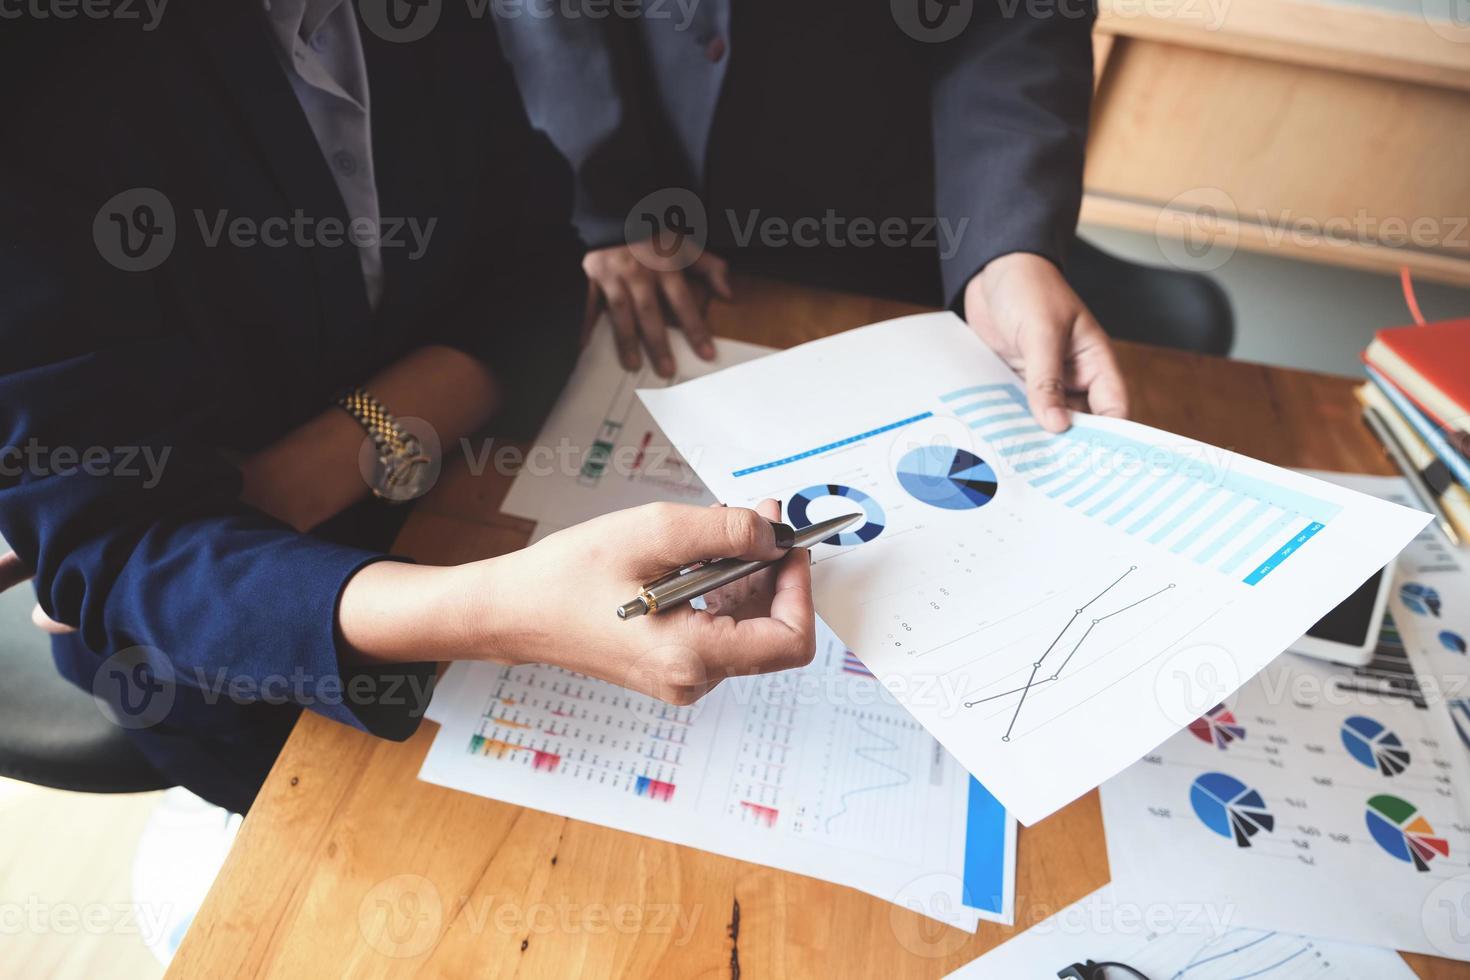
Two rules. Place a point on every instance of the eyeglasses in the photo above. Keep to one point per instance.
(1107, 970)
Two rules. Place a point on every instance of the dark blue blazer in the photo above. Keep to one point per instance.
(225, 614)
(970, 110)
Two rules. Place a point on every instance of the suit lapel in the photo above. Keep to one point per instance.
(239, 43)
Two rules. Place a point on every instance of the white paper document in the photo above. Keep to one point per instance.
(599, 450)
(1430, 603)
(1169, 942)
(817, 771)
(1321, 798)
(1051, 607)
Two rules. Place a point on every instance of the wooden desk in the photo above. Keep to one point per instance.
(349, 866)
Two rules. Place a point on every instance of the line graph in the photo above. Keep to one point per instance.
(868, 754)
(1077, 613)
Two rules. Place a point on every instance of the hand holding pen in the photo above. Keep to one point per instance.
(555, 601)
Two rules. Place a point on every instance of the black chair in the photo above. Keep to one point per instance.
(53, 733)
(1152, 304)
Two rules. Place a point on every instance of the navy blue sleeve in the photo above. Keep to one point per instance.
(1012, 95)
(112, 491)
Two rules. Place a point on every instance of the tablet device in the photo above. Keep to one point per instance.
(1349, 633)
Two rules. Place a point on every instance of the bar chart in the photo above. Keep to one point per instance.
(1183, 501)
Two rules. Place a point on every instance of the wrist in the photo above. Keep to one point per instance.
(491, 606)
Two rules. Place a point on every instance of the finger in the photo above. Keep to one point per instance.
(1107, 392)
(1043, 353)
(782, 639)
(651, 325)
(48, 625)
(671, 535)
(687, 314)
(715, 271)
(625, 327)
(13, 571)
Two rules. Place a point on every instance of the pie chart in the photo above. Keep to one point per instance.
(797, 506)
(1402, 831)
(1229, 807)
(1374, 746)
(1217, 727)
(943, 476)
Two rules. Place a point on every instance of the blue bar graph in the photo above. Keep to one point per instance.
(1202, 511)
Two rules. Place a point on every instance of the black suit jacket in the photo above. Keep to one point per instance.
(796, 107)
(220, 346)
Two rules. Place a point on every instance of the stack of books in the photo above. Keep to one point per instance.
(1417, 401)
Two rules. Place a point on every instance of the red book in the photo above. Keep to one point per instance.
(1430, 364)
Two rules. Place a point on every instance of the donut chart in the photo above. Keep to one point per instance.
(943, 476)
(797, 506)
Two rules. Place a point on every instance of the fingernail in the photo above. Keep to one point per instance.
(1057, 419)
(666, 368)
(785, 535)
(706, 350)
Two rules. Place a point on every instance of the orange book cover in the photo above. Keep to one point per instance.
(1430, 364)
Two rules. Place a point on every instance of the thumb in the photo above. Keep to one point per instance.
(1043, 350)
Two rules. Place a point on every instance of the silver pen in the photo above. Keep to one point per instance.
(1415, 479)
(695, 580)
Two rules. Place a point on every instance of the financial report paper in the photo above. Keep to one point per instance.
(1323, 798)
(818, 771)
(1051, 607)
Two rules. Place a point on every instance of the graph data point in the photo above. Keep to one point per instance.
(1037, 664)
(1005, 738)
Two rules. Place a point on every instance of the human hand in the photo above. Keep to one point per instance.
(644, 292)
(1023, 308)
(555, 602)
